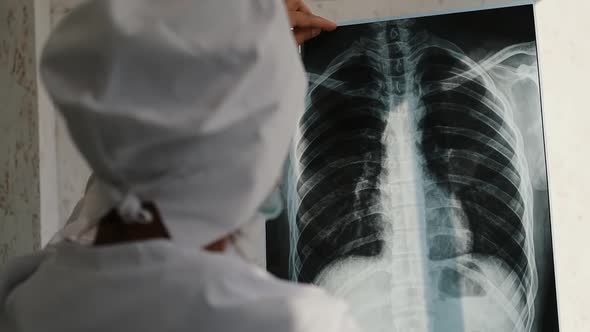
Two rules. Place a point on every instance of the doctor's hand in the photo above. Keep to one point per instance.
(305, 24)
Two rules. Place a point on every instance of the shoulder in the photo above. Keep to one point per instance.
(19, 269)
(255, 300)
(317, 311)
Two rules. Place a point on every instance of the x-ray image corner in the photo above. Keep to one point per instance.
(184, 110)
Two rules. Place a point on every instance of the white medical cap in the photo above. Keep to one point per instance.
(190, 104)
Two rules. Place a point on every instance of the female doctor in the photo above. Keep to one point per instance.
(184, 110)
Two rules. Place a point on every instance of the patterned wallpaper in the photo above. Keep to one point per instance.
(19, 140)
(19, 134)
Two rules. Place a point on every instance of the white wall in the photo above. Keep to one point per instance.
(564, 48)
(563, 28)
(72, 170)
(352, 10)
(49, 212)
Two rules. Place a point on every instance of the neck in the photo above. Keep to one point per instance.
(113, 230)
(218, 246)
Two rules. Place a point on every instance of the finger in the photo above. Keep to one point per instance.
(302, 20)
(304, 8)
(303, 35)
(298, 5)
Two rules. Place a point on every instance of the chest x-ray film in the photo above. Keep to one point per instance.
(417, 185)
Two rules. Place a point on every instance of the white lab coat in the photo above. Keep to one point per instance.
(156, 286)
(190, 105)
